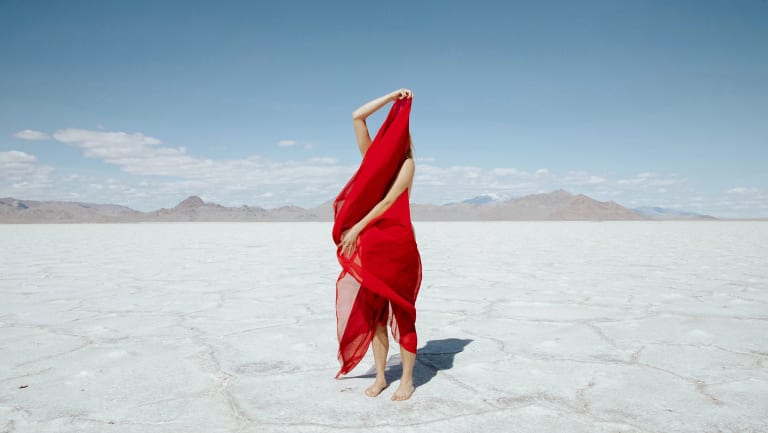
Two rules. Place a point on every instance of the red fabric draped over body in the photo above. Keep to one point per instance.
(379, 282)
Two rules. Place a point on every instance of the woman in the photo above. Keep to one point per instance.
(377, 249)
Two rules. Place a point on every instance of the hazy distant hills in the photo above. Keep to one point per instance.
(662, 213)
(192, 208)
(30, 211)
(558, 205)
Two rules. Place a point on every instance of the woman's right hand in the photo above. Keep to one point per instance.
(401, 94)
(348, 242)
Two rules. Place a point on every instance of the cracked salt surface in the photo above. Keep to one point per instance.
(523, 327)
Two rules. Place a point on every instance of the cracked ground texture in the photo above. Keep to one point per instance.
(523, 327)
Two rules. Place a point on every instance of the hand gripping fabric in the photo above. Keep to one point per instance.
(379, 282)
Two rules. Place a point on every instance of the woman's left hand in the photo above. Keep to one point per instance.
(401, 94)
(349, 241)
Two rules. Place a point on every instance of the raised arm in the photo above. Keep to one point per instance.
(370, 107)
(403, 181)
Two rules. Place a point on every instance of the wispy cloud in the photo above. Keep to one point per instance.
(648, 179)
(286, 143)
(134, 153)
(30, 134)
(741, 190)
(159, 176)
(578, 178)
(292, 181)
(21, 171)
(741, 199)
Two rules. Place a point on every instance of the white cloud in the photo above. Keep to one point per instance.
(647, 179)
(739, 201)
(16, 157)
(323, 160)
(286, 143)
(505, 171)
(434, 184)
(30, 134)
(112, 146)
(741, 190)
(138, 154)
(161, 175)
(577, 178)
(18, 166)
(22, 175)
(751, 202)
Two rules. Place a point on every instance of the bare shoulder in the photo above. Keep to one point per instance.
(408, 167)
(403, 181)
(407, 171)
(408, 164)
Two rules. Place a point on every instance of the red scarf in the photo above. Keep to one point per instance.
(379, 282)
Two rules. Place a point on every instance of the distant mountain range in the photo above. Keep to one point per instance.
(660, 212)
(557, 205)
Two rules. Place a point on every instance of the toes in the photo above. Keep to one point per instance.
(374, 390)
(401, 395)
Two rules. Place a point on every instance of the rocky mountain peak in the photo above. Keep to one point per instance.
(190, 202)
(561, 193)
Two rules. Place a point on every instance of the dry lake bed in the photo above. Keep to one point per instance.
(523, 327)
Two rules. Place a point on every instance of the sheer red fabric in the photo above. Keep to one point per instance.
(379, 282)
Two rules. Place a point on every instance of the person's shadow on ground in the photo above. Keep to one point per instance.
(436, 355)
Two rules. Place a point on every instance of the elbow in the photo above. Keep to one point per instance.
(356, 115)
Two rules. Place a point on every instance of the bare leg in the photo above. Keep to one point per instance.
(406, 388)
(380, 346)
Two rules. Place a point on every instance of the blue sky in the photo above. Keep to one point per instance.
(142, 103)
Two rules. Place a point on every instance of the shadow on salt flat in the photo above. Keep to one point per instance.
(435, 356)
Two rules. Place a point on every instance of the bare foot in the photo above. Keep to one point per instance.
(376, 388)
(404, 391)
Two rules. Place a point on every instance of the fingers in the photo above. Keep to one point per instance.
(347, 248)
(405, 94)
